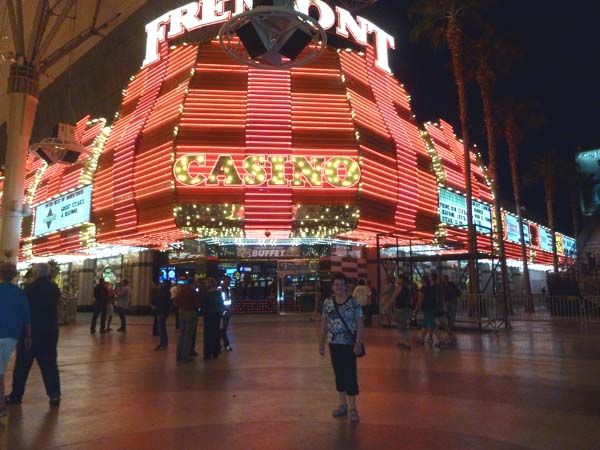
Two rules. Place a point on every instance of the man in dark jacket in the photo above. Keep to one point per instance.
(163, 307)
(43, 296)
(100, 305)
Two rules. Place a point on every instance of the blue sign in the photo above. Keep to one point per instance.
(513, 233)
(453, 211)
(545, 240)
(569, 247)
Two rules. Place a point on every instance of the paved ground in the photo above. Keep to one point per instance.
(535, 388)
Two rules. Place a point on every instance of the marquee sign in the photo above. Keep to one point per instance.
(453, 211)
(63, 212)
(272, 170)
(202, 13)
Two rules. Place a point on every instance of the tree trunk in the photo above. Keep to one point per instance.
(549, 188)
(512, 138)
(574, 200)
(455, 44)
(484, 77)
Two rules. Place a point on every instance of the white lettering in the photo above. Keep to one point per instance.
(347, 25)
(383, 43)
(155, 32)
(186, 18)
(201, 13)
(326, 14)
(213, 11)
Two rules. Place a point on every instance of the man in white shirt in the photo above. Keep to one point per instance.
(362, 294)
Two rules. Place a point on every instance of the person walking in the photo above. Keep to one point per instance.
(187, 302)
(342, 326)
(213, 309)
(226, 316)
(428, 303)
(123, 302)
(100, 304)
(403, 312)
(43, 296)
(110, 306)
(362, 294)
(15, 322)
(387, 301)
(374, 301)
(163, 307)
(451, 294)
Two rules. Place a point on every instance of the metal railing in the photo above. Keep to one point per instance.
(487, 310)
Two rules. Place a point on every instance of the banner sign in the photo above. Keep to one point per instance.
(453, 211)
(63, 212)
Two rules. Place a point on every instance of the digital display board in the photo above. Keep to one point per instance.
(453, 211)
(569, 247)
(63, 212)
(512, 230)
(545, 240)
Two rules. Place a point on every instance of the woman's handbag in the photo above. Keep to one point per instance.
(362, 351)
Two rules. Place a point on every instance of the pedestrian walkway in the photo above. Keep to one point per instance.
(535, 388)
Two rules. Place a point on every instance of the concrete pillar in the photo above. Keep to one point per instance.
(141, 280)
(22, 107)
(87, 282)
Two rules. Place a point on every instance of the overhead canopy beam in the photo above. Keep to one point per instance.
(17, 29)
(55, 27)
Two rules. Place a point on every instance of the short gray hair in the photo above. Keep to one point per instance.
(41, 270)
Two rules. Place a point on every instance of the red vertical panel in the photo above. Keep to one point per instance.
(269, 132)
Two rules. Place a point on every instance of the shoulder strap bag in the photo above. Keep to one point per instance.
(362, 351)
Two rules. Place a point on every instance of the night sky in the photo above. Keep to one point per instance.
(558, 70)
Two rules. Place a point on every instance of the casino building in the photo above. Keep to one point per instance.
(276, 177)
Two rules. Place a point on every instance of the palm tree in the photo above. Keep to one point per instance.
(491, 53)
(514, 115)
(444, 22)
(546, 170)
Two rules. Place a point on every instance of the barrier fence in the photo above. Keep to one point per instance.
(487, 310)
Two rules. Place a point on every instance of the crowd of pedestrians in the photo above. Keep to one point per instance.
(186, 302)
(29, 322)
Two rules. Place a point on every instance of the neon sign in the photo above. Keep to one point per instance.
(273, 170)
(201, 13)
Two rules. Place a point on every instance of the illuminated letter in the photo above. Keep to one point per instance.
(332, 172)
(242, 6)
(182, 166)
(255, 170)
(383, 42)
(303, 168)
(184, 18)
(277, 170)
(326, 14)
(155, 34)
(224, 167)
(347, 25)
(213, 11)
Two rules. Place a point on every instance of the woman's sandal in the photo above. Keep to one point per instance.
(354, 417)
(340, 411)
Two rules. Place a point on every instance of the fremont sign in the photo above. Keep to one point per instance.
(202, 13)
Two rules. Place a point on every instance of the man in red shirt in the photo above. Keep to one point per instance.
(188, 302)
